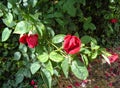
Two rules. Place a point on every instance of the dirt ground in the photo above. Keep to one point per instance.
(101, 75)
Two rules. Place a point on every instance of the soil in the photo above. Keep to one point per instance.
(101, 75)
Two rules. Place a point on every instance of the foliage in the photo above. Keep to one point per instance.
(52, 20)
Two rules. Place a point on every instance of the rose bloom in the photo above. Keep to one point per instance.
(32, 83)
(32, 40)
(114, 20)
(23, 39)
(113, 57)
(71, 44)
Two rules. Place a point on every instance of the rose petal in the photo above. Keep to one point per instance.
(23, 39)
(32, 40)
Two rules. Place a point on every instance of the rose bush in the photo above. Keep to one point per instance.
(42, 39)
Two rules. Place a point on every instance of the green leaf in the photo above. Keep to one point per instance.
(60, 21)
(23, 48)
(92, 26)
(33, 2)
(94, 55)
(79, 70)
(43, 57)
(94, 46)
(9, 5)
(1, 13)
(9, 20)
(50, 31)
(88, 25)
(6, 34)
(85, 51)
(54, 56)
(13, 2)
(41, 28)
(85, 59)
(34, 67)
(24, 71)
(69, 7)
(65, 67)
(19, 78)
(48, 76)
(86, 39)
(58, 38)
(22, 27)
(27, 73)
(17, 55)
(49, 67)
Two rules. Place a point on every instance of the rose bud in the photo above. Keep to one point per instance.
(114, 20)
(32, 83)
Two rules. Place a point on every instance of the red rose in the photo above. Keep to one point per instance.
(113, 57)
(114, 20)
(23, 39)
(71, 44)
(32, 82)
(32, 40)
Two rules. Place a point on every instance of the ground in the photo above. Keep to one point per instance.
(101, 75)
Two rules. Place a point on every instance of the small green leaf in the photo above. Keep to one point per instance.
(33, 2)
(65, 67)
(86, 26)
(48, 77)
(34, 67)
(69, 7)
(94, 55)
(50, 31)
(9, 20)
(9, 5)
(85, 59)
(23, 48)
(58, 38)
(6, 34)
(1, 13)
(19, 78)
(43, 57)
(17, 55)
(86, 39)
(60, 21)
(94, 46)
(41, 28)
(92, 26)
(27, 73)
(22, 27)
(85, 51)
(79, 70)
(49, 67)
(54, 56)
